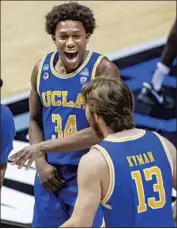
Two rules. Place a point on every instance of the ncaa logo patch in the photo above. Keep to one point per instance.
(46, 75)
(45, 67)
(83, 80)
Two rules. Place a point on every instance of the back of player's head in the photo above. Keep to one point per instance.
(110, 98)
(70, 11)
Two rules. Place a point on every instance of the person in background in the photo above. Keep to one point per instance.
(152, 93)
(7, 135)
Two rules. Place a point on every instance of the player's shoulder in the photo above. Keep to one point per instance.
(93, 160)
(43, 57)
(36, 68)
(107, 67)
(164, 140)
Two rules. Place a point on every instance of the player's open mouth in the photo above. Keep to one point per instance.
(71, 55)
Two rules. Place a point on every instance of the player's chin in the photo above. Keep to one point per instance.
(72, 64)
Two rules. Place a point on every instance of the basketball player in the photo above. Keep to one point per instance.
(153, 93)
(56, 110)
(7, 135)
(131, 171)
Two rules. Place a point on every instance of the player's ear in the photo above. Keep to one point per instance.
(87, 37)
(54, 40)
(96, 117)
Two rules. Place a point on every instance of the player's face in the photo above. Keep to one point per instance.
(71, 40)
(92, 122)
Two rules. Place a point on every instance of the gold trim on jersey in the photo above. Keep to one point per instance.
(70, 74)
(95, 66)
(112, 175)
(106, 206)
(103, 223)
(39, 73)
(134, 137)
(166, 150)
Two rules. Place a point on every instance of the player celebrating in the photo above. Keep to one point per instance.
(56, 110)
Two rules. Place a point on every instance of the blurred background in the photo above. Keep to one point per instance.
(121, 24)
(130, 33)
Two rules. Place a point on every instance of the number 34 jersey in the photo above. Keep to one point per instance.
(62, 102)
(140, 191)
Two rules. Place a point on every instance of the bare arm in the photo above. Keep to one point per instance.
(2, 173)
(172, 151)
(174, 212)
(108, 68)
(35, 124)
(81, 140)
(89, 193)
(85, 138)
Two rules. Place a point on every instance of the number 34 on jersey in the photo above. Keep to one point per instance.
(63, 131)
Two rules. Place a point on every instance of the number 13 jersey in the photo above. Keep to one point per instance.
(140, 190)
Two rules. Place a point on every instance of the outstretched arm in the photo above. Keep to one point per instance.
(81, 140)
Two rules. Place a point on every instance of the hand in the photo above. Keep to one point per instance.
(174, 212)
(49, 177)
(29, 153)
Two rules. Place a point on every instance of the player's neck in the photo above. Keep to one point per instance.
(63, 69)
(106, 131)
(125, 133)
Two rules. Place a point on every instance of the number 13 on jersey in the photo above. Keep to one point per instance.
(63, 131)
(157, 187)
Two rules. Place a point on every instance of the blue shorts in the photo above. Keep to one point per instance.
(52, 209)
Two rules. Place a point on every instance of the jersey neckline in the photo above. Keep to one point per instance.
(124, 139)
(55, 73)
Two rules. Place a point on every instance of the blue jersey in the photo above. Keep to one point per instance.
(7, 133)
(61, 97)
(140, 191)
